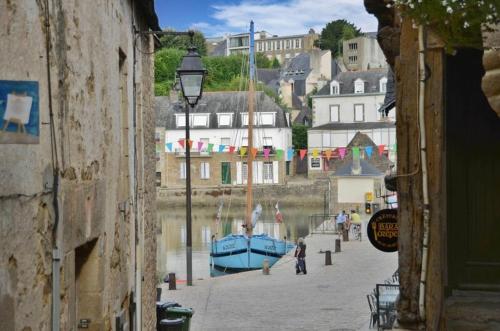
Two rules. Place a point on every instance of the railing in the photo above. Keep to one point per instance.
(323, 224)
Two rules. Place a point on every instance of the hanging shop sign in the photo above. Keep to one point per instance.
(383, 230)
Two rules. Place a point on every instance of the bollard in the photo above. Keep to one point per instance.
(265, 267)
(346, 235)
(337, 245)
(328, 258)
(171, 281)
(158, 294)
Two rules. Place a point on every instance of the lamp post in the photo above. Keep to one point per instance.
(191, 74)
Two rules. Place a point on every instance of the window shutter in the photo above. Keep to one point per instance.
(238, 173)
(275, 172)
(207, 170)
(260, 178)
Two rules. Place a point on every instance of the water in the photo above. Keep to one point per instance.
(171, 240)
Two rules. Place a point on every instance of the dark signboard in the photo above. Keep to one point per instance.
(316, 162)
(383, 230)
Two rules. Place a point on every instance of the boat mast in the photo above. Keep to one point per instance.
(251, 105)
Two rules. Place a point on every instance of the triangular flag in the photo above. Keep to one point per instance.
(181, 142)
(369, 150)
(210, 148)
(254, 151)
(302, 153)
(381, 149)
(221, 148)
(190, 143)
(290, 154)
(243, 151)
(355, 152)
(315, 152)
(342, 152)
(266, 153)
(279, 154)
(169, 146)
(200, 145)
(231, 149)
(328, 154)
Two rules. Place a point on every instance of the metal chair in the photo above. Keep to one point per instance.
(373, 310)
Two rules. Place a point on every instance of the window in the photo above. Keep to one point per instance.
(226, 173)
(158, 178)
(334, 87)
(266, 119)
(359, 86)
(244, 141)
(268, 142)
(225, 141)
(200, 120)
(259, 47)
(268, 173)
(205, 170)
(353, 59)
(180, 120)
(182, 170)
(225, 119)
(297, 43)
(268, 45)
(383, 85)
(359, 113)
(244, 172)
(278, 45)
(334, 113)
(326, 139)
(287, 44)
(353, 46)
(244, 119)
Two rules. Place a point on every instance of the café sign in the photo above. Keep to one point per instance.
(383, 230)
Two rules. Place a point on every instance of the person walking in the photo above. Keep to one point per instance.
(341, 219)
(300, 254)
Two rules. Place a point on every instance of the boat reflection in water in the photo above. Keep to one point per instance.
(171, 242)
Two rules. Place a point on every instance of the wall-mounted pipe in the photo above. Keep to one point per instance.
(423, 160)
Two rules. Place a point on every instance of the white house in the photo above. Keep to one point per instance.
(218, 124)
(349, 104)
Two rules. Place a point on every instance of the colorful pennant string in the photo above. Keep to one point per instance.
(355, 152)
(181, 142)
(368, 151)
(254, 152)
(266, 153)
(315, 153)
(221, 148)
(302, 153)
(328, 154)
(342, 152)
(200, 145)
(381, 149)
(169, 146)
(279, 154)
(243, 151)
(290, 154)
(231, 149)
(210, 148)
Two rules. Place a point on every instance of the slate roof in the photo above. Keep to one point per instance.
(270, 77)
(218, 102)
(346, 81)
(297, 68)
(305, 116)
(366, 169)
(355, 126)
(390, 95)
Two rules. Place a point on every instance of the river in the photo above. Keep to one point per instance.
(171, 239)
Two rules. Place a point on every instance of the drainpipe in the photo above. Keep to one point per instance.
(423, 160)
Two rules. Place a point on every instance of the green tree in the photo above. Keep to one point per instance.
(275, 64)
(334, 33)
(183, 42)
(167, 60)
(299, 136)
(262, 61)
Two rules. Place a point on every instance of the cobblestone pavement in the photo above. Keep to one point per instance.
(329, 298)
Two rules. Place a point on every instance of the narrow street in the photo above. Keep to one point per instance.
(327, 298)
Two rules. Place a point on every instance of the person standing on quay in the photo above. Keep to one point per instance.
(341, 218)
(300, 254)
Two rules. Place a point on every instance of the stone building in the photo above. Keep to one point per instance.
(363, 53)
(220, 120)
(449, 252)
(77, 202)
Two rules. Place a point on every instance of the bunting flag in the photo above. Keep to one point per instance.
(200, 145)
(266, 153)
(328, 154)
(169, 146)
(210, 148)
(279, 154)
(355, 152)
(381, 149)
(395, 147)
(243, 151)
(342, 152)
(254, 151)
(221, 148)
(181, 142)
(369, 150)
(302, 153)
(315, 152)
(231, 149)
(190, 143)
(290, 154)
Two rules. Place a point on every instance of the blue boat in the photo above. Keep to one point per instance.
(237, 252)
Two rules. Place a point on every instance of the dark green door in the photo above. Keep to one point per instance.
(226, 173)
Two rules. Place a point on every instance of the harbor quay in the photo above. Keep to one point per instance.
(328, 297)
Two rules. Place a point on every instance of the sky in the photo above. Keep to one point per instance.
(279, 17)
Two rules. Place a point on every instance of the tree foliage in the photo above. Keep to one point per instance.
(299, 136)
(334, 33)
(184, 42)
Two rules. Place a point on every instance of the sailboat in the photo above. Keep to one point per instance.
(241, 252)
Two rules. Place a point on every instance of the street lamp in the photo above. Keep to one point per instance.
(191, 74)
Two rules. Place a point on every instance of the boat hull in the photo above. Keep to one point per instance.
(240, 253)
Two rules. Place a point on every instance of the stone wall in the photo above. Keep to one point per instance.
(105, 179)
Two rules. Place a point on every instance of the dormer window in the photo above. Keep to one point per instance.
(359, 86)
(383, 85)
(334, 87)
(180, 120)
(225, 120)
(200, 120)
(260, 118)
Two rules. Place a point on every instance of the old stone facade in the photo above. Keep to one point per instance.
(76, 207)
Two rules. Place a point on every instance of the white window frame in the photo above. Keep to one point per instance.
(383, 85)
(180, 120)
(225, 141)
(359, 86)
(269, 117)
(267, 173)
(335, 110)
(182, 170)
(358, 107)
(204, 170)
(267, 141)
(224, 115)
(200, 120)
(334, 87)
